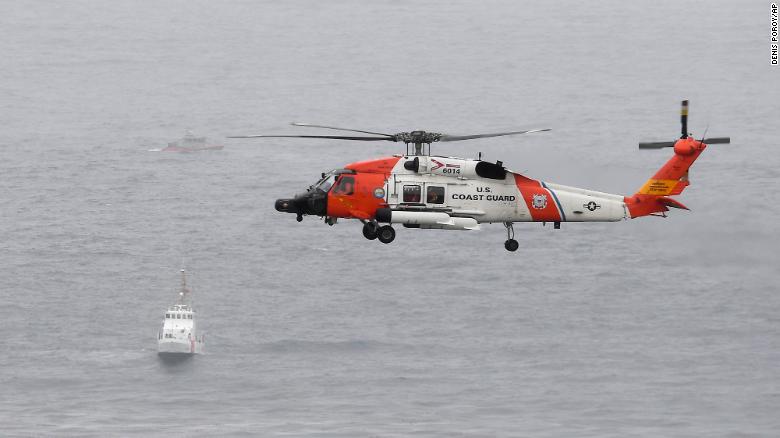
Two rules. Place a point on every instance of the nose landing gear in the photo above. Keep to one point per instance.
(510, 244)
(370, 230)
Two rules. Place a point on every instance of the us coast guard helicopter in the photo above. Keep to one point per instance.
(420, 190)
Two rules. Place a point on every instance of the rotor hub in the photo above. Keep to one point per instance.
(418, 137)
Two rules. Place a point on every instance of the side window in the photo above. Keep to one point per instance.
(435, 195)
(412, 194)
(345, 186)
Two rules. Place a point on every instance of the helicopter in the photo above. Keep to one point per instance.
(420, 190)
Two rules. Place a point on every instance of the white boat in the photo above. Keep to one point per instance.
(179, 336)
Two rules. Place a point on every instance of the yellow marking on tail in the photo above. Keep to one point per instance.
(658, 187)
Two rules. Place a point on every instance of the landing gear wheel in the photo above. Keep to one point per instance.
(386, 234)
(370, 231)
(510, 244)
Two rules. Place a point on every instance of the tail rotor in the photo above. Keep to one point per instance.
(684, 133)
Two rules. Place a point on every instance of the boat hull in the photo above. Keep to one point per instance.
(179, 348)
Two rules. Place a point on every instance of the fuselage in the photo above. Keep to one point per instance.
(461, 188)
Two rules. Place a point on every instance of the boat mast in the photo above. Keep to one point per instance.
(184, 289)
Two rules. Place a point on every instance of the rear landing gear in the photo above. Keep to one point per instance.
(510, 244)
(386, 234)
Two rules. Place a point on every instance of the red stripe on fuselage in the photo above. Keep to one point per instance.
(544, 208)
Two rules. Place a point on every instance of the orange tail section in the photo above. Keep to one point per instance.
(670, 180)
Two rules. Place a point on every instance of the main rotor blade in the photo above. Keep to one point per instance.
(717, 140)
(446, 137)
(309, 125)
(333, 137)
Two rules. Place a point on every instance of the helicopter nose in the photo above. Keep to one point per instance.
(286, 206)
(311, 203)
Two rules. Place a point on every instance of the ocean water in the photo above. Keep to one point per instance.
(646, 328)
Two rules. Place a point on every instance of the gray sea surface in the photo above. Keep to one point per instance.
(645, 328)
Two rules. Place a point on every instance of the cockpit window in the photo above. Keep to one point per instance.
(345, 186)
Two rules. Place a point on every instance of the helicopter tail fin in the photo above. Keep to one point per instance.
(672, 178)
(669, 180)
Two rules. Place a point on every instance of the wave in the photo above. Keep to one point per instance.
(302, 346)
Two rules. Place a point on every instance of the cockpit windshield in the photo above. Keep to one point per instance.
(327, 180)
